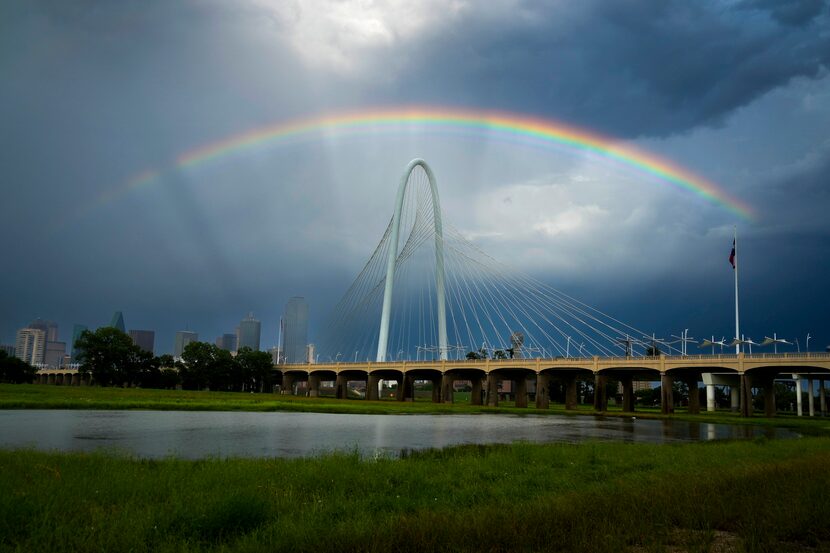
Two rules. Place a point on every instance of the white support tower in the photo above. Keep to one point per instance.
(383, 336)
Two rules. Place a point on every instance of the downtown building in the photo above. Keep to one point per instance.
(226, 341)
(145, 339)
(30, 345)
(77, 330)
(183, 337)
(250, 330)
(296, 331)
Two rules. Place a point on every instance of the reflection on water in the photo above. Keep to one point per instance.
(195, 435)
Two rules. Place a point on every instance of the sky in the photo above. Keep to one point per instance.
(96, 94)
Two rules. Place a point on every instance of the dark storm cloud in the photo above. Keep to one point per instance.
(790, 12)
(628, 68)
(95, 92)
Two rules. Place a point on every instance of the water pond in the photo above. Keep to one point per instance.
(195, 435)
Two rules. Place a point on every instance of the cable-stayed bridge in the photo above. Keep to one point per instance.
(427, 292)
(430, 305)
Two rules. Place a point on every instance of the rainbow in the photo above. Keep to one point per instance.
(508, 125)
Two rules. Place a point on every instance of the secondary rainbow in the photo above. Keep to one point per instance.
(509, 125)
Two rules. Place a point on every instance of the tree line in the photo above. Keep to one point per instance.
(112, 359)
(14, 370)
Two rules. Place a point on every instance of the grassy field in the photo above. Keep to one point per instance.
(31, 396)
(729, 496)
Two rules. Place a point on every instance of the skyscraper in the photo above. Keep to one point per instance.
(226, 341)
(118, 321)
(76, 333)
(145, 339)
(296, 330)
(249, 333)
(55, 352)
(30, 345)
(183, 337)
(49, 327)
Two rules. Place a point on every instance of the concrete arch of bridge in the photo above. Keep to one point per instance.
(763, 378)
(462, 366)
(768, 370)
(517, 376)
(560, 382)
(475, 376)
(434, 375)
(626, 377)
(553, 370)
(711, 376)
(289, 379)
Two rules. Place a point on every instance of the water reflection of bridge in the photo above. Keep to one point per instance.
(741, 373)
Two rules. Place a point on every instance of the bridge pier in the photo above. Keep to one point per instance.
(406, 388)
(341, 387)
(735, 398)
(798, 395)
(811, 404)
(694, 395)
(287, 388)
(570, 392)
(475, 395)
(666, 394)
(437, 389)
(600, 393)
(447, 388)
(627, 382)
(492, 390)
(372, 385)
(746, 395)
(520, 385)
(75, 380)
(769, 396)
(542, 391)
(313, 385)
(822, 397)
(710, 397)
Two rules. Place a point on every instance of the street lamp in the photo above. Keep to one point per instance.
(355, 356)
(775, 340)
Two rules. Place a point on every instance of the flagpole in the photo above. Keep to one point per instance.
(279, 343)
(737, 319)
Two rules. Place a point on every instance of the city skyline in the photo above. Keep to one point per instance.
(186, 214)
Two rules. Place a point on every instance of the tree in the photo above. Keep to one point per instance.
(652, 351)
(15, 370)
(474, 355)
(111, 356)
(254, 369)
(207, 366)
(499, 354)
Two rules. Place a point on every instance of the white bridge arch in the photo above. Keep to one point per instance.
(392, 256)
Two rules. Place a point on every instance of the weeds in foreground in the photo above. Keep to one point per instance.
(753, 496)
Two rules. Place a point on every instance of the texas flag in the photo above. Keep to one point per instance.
(732, 255)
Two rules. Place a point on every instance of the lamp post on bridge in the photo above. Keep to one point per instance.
(684, 339)
(775, 340)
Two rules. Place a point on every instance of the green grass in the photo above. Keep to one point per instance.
(32, 396)
(755, 495)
